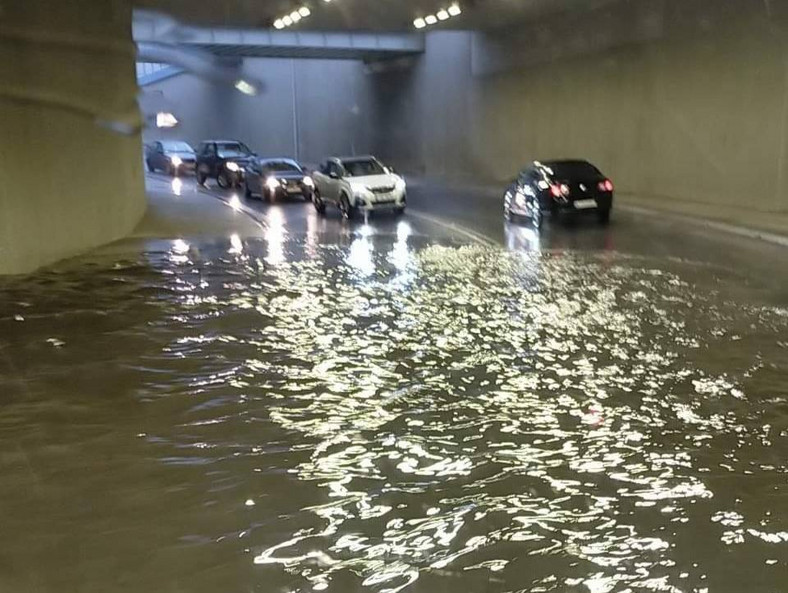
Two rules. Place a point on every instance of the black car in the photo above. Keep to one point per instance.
(566, 186)
(273, 179)
(170, 156)
(224, 160)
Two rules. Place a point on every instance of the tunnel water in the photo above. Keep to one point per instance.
(391, 414)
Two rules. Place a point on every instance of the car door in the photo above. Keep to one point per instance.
(322, 180)
(334, 180)
(158, 156)
(254, 175)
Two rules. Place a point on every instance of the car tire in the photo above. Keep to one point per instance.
(247, 191)
(318, 203)
(201, 178)
(345, 208)
(223, 180)
(603, 216)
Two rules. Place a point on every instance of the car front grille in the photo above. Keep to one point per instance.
(382, 190)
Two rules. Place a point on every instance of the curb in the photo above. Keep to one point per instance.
(733, 229)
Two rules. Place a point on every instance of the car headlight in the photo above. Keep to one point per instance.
(271, 183)
(400, 184)
(233, 167)
(176, 160)
(309, 182)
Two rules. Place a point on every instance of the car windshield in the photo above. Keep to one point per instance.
(176, 146)
(573, 169)
(232, 149)
(281, 166)
(362, 168)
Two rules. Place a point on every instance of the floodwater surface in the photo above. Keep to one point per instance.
(390, 414)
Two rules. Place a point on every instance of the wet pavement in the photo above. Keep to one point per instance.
(436, 402)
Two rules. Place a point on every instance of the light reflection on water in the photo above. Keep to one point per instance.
(386, 417)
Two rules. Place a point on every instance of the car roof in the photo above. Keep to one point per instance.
(221, 142)
(562, 162)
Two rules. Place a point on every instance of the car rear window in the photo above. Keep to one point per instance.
(177, 146)
(573, 169)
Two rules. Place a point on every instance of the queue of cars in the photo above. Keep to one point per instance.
(363, 184)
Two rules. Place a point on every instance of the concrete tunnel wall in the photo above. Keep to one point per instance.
(693, 108)
(310, 109)
(67, 182)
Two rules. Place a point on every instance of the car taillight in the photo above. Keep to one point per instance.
(556, 191)
(606, 185)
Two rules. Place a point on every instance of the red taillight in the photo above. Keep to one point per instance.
(556, 191)
(606, 185)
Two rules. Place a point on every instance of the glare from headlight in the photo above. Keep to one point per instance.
(309, 182)
(272, 183)
(176, 160)
(233, 167)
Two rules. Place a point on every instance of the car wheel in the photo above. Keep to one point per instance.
(603, 216)
(223, 180)
(345, 208)
(201, 177)
(318, 202)
(247, 191)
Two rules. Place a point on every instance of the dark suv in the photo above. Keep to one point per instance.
(223, 159)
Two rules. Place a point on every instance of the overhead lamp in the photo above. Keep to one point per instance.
(164, 119)
(287, 20)
(442, 15)
(430, 19)
(296, 16)
(419, 23)
(279, 24)
(304, 11)
(455, 9)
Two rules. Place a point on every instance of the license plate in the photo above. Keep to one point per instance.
(585, 204)
(293, 190)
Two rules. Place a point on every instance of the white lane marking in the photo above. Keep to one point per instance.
(460, 230)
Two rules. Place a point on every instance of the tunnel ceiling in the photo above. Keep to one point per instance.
(380, 15)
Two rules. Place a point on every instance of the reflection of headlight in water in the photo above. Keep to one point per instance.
(233, 167)
(275, 236)
(177, 186)
(360, 256)
(176, 160)
(235, 203)
(236, 245)
(521, 238)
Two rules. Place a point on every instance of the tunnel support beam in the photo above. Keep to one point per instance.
(71, 176)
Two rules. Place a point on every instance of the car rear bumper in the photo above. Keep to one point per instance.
(589, 203)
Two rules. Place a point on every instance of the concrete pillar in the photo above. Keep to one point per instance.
(70, 151)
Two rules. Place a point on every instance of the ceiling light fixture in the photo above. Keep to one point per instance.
(444, 14)
(291, 19)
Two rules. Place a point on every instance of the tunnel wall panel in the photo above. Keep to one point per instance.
(70, 147)
(309, 108)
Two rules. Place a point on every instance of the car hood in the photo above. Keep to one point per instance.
(386, 180)
(186, 156)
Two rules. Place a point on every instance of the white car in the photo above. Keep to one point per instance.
(359, 183)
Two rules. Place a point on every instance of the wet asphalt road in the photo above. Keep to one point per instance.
(434, 403)
(440, 211)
